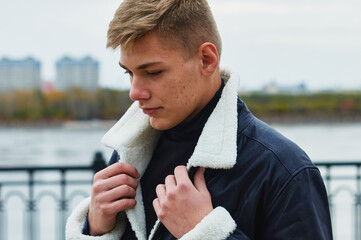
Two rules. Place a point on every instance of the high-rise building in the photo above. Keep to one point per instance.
(18, 75)
(77, 73)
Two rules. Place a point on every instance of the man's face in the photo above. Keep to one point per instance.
(168, 88)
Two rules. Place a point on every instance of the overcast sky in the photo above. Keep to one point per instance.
(317, 42)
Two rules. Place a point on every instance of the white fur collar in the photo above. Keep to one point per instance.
(134, 140)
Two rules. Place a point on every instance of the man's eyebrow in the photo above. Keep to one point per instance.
(143, 66)
(122, 66)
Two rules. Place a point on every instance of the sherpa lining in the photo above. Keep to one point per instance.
(217, 225)
(75, 224)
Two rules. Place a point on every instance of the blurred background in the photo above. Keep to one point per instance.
(299, 69)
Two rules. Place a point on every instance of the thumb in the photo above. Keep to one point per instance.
(199, 181)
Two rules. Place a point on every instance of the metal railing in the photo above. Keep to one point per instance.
(341, 177)
(335, 182)
(31, 198)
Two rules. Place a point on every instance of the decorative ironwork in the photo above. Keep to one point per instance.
(31, 198)
(341, 181)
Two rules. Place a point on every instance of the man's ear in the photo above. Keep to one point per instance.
(209, 57)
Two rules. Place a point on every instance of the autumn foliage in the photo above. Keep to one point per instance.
(74, 104)
(344, 106)
(77, 104)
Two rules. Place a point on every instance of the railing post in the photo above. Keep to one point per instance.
(63, 204)
(328, 186)
(31, 206)
(2, 220)
(358, 205)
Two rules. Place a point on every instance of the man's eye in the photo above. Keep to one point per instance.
(128, 72)
(153, 73)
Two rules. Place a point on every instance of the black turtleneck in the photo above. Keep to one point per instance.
(174, 148)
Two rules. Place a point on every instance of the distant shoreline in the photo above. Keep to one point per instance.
(107, 124)
(71, 124)
(311, 120)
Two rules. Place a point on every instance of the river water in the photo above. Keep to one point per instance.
(76, 144)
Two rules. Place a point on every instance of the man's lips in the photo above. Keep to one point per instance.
(150, 111)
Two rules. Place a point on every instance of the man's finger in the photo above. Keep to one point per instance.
(181, 176)
(156, 206)
(161, 192)
(118, 168)
(170, 183)
(199, 181)
(121, 179)
(120, 192)
(122, 204)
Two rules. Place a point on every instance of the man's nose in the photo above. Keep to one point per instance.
(139, 90)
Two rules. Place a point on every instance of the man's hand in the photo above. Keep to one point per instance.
(180, 205)
(113, 191)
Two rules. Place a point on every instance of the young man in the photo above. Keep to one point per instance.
(190, 160)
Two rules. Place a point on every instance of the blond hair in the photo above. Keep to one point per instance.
(184, 23)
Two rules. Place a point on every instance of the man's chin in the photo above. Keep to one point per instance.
(158, 124)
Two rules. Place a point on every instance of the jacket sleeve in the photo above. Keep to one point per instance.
(299, 211)
(217, 225)
(75, 224)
